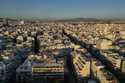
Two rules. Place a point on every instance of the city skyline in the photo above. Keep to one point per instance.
(63, 9)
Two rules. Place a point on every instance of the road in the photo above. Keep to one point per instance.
(97, 54)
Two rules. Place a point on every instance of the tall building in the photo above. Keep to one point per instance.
(36, 44)
(40, 69)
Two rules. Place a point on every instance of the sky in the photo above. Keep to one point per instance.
(63, 9)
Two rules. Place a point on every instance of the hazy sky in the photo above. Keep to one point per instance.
(53, 9)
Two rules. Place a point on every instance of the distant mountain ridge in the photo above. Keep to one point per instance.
(71, 20)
